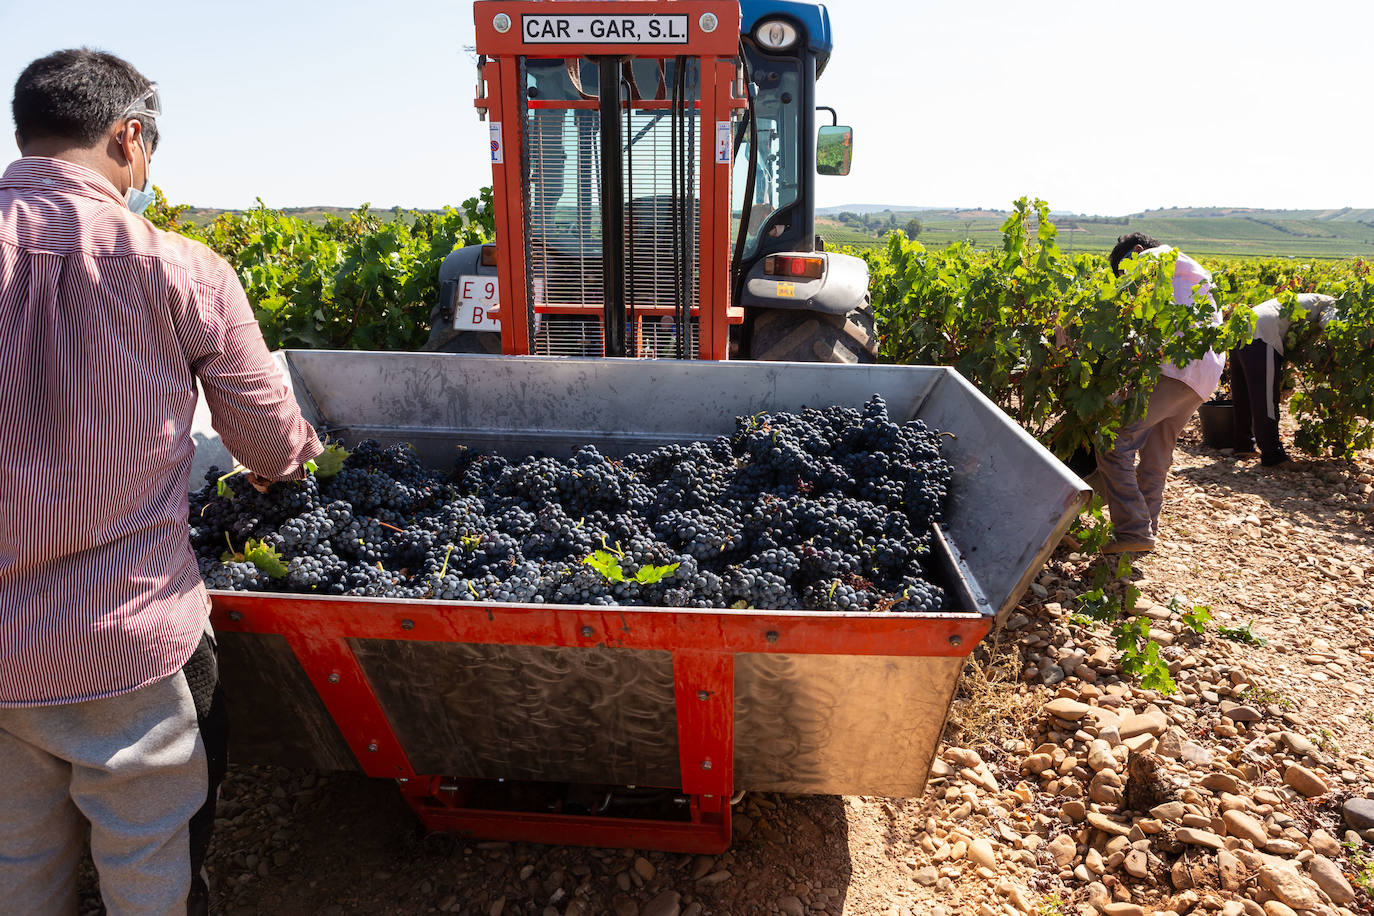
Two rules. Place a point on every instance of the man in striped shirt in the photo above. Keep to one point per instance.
(109, 705)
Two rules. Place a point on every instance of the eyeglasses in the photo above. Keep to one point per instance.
(149, 103)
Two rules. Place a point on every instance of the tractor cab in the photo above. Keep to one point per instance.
(785, 49)
(653, 186)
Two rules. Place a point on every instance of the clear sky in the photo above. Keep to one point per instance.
(1098, 107)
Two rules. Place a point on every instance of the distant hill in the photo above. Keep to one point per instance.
(1344, 213)
(869, 208)
(1215, 231)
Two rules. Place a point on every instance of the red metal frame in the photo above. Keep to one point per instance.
(703, 645)
(499, 98)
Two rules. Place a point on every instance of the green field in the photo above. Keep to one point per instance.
(1201, 232)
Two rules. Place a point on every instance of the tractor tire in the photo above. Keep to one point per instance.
(793, 335)
(467, 342)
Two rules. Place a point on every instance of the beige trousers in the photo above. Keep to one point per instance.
(1135, 491)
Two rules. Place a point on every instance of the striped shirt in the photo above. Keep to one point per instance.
(105, 325)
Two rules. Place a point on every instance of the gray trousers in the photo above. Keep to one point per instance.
(141, 769)
(1135, 492)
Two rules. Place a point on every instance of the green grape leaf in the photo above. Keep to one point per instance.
(648, 575)
(331, 460)
(1243, 634)
(606, 563)
(1158, 678)
(265, 558)
(1099, 606)
(222, 485)
(1198, 618)
(261, 555)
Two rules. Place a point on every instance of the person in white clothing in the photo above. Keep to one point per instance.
(1256, 371)
(1133, 472)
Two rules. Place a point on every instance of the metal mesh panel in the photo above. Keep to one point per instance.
(564, 215)
(562, 153)
(658, 337)
(649, 211)
(566, 335)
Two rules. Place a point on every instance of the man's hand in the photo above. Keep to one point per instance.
(260, 483)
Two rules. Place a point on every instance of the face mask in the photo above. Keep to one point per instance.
(138, 200)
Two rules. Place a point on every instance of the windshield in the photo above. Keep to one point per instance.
(777, 108)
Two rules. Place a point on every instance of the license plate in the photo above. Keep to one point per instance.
(652, 29)
(474, 303)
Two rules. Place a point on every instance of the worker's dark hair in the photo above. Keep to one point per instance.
(1125, 246)
(76, 95)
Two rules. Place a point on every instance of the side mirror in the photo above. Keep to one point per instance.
(834, 150)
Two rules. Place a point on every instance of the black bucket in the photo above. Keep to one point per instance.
(1218, 424)
(1083, 461)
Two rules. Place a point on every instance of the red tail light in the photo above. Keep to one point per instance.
(784, 265)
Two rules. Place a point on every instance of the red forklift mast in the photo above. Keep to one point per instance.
(634, 238)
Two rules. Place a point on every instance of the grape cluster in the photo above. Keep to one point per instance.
(822, 509)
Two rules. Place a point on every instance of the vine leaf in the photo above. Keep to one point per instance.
(648, 575)
(222, 485)
(263, 556)
(330, 462)
(606, 563)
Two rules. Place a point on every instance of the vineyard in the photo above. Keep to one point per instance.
(362, 283)
(1071, 351)
(1052, 337)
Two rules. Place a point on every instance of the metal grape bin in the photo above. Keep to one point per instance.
(625, 726)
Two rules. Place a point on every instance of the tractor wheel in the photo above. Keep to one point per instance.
(468, 342)
(794, 335)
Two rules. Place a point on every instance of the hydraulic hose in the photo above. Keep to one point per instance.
(746, 209)
(679, 242)
(690, 208)
(633, 340)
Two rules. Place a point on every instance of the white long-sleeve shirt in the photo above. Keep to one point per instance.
(1201, 375)
(1270, 325)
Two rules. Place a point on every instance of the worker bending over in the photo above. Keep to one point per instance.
(1135, 492)
(1257, 372)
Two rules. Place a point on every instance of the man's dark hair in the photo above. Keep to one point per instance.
(1125, 247)
(76, 95)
